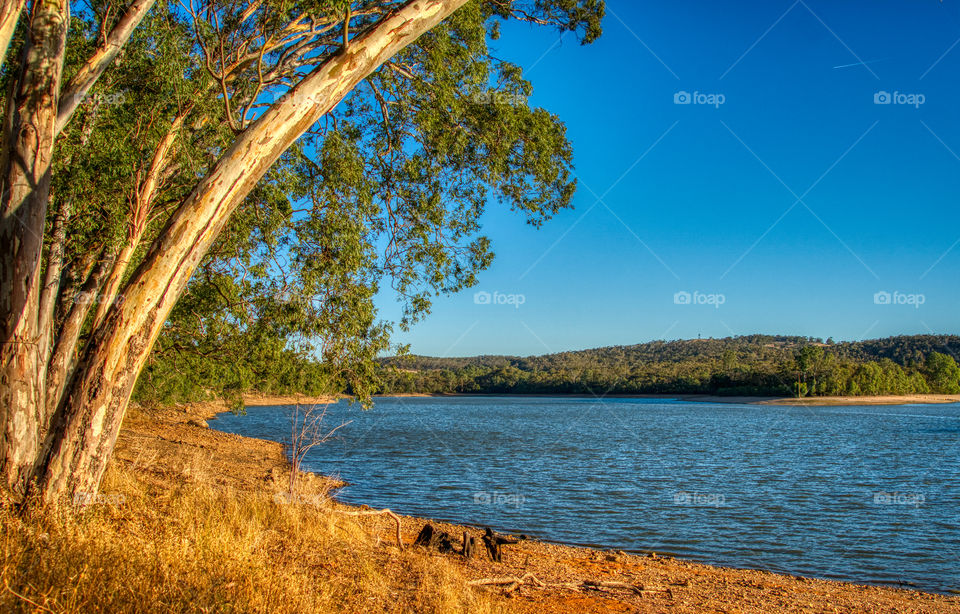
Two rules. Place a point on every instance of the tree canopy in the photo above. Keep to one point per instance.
(215, 191)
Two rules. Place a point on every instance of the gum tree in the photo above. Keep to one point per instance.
(194, 171)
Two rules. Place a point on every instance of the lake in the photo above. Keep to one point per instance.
(866, 494)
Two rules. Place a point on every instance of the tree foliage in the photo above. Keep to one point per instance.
(385, 193)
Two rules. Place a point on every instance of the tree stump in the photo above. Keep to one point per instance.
(426, 537)
(469, 546)
(495, 543)
(429, 537)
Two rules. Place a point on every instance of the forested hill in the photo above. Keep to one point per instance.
(753, 364)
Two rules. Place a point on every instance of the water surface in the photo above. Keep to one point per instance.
(867, 494)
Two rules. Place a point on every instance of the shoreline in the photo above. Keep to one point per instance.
(687, 583)
(260, 400)
(906, 399)
(263, 400)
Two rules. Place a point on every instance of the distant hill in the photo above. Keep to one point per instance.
(751, 364)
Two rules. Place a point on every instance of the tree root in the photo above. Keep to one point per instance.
(512, 583)
(384, 512)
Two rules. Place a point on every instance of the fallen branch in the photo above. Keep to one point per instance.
(624, 585)
(512, 583)
(377, 513)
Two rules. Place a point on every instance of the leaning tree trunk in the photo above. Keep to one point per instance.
(88, 421)
(28, 142)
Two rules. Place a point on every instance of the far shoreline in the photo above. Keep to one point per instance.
(263, 400)
(905, 399)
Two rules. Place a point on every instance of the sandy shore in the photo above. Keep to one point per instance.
(256, 399)
(251, 465)
(904, 399)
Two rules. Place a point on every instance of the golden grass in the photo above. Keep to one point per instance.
(194, 547)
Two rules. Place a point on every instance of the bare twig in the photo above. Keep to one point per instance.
(306, 430)
(22, 598)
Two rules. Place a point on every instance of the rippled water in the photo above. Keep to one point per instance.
(868, 494)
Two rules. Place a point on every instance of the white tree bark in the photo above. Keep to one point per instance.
(26, 187)
(9, 15)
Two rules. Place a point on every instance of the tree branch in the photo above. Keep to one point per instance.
(9, 16)
(78, 87)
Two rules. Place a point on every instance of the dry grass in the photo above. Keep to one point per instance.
(193, 547)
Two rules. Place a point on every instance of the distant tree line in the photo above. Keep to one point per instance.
(748, 365)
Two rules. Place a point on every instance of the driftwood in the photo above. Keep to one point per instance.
(509, 582)
(385, 512)
(512, 583)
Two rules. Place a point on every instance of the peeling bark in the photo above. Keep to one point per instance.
(51, 280)
(63, 358)
(26, 189)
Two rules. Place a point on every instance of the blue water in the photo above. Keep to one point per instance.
(866, 494)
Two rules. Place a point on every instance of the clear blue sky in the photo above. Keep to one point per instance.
(793, 202)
